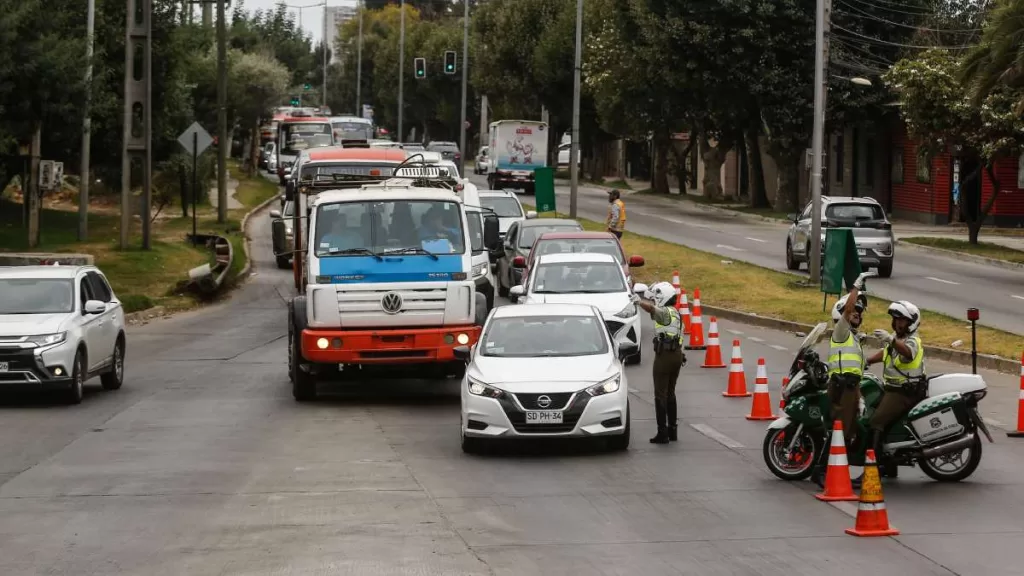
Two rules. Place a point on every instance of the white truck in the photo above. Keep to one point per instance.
(387, 280)
(517, 148)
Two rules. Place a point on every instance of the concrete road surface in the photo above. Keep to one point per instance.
(932, 282)
(204, 465)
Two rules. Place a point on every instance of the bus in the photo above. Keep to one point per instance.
(295, 134)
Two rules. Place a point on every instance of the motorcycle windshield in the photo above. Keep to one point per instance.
(809, 342)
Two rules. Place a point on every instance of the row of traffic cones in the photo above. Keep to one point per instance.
(693, 323)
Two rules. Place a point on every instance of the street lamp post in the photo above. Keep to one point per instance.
(83, 186)
(359, 64)
(323, 101)
(574, 150)
(817, 141)
(465, 75)
(401, 74)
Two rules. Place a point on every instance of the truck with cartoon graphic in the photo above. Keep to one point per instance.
(517, 147)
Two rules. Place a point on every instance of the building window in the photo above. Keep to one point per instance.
(839, 154)
(897, 167)
(924, 166)
(869, 163)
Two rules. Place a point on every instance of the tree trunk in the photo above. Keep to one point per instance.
(758, 193)
(713, 158)
(974, 225)
(660, 180)
(33, 195)
(681, 157)
(787, 193)
(254, 151)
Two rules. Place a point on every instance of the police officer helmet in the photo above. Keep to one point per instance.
(837, 310)
(904, 309)
(661, 293)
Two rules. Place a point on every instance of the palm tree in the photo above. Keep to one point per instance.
(998, 60)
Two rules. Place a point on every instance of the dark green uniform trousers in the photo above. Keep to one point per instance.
(666, 373)
(894, 404)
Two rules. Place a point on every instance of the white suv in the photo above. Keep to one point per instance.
(59, 327)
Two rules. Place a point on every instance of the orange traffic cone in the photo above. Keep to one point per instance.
(785, 382)
(761, 409)
(872, 518)
(696, 325)
(737, 378)
(675, 284)
(684, 311)
(1020, 405)
(838, 485)
(713, 357)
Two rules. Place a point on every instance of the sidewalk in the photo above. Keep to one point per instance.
(233, 203)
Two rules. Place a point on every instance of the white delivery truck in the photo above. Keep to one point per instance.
(517, 147)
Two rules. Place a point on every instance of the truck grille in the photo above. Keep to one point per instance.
(354, 302)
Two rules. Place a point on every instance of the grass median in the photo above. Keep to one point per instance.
(985, 249)
(749, 288)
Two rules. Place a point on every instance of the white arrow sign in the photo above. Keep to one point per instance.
(195, 136)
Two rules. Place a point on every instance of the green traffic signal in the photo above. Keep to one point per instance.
(307, 86)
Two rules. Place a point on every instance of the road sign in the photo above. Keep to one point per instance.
(195, 135)
(544, 189)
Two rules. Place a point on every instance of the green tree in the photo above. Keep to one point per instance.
(998, 61)
(257, 83)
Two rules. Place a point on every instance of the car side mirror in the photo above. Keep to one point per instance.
(95, 307)
(516, 292)
(640, 288)
(636, 261)
(793, 217)
(275, 214)
(462, 353)
(627, 350)
(492, 232)
(531, 215)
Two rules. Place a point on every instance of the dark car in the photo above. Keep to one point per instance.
(448, 150)
(519, 240)
(592, 242)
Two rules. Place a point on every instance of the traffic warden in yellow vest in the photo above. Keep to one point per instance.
(659, 301)
(616, 222)
(903, 370)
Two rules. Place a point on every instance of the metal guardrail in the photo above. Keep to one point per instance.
(208, 279)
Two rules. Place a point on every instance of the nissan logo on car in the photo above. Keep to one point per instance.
(543, 401)
(391, 303)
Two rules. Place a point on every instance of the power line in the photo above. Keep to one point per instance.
(889, 6)
(898, 44)
(863, 14)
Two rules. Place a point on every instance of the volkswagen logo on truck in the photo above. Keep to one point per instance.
(391, 303)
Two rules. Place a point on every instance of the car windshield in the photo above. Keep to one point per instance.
(381, 228)
(352, 131)
(579, 278)
(503, 206)
(544, 336)
(853, 212)
(476, 231)
(530, 233)
(580, 246)
(299, 137)
(36, 296)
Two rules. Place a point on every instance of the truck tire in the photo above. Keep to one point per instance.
(303, 383)
(481, 309)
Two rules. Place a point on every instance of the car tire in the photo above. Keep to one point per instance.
(283, 262)
(472, 445)
(620, 443)
(75, 394)
(113, 379)
(791, 262)
(885, 269)
(481, 310)
(303, 383)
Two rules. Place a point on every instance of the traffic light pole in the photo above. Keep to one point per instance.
(401, 74)
(465, 74)
(359, 64)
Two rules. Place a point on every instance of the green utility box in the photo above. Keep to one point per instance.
(544, 189)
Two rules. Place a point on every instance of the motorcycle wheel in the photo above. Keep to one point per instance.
(953, 467)
(792, 467)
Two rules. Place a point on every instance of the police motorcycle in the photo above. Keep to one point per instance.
(940, 434)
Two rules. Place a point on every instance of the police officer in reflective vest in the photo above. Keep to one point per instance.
(616, 222)
(903, 370)
(659, 301)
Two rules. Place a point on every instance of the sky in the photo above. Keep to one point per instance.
(312, 18)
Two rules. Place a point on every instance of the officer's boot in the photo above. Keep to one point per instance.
(660, 415)
(673, 428)
(820, 460)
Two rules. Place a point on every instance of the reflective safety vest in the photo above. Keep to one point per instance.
(620, 224)
(673, 329)
(896, 371)
(845, 357)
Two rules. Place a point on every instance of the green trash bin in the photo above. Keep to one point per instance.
(544, 189)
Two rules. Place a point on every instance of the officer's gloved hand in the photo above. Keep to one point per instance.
(634, 298)
(859, 282)
(884, 336)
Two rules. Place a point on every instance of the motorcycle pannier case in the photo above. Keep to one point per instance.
(938, 417)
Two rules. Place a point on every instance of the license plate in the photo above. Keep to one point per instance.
(862, 252)
(4, 366)
(543, 417)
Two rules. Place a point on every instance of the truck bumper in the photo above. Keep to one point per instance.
(399, 346)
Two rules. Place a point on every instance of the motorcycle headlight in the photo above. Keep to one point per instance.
(607, 387)
(628, 312)
(48, 339)
(479, 270)
(480, 389)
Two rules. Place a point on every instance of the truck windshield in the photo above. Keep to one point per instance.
(389, 227)
(296, 137)
(352, 130)
(476, 231)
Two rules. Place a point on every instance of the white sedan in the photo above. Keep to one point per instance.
(545, 370)
(586, 278)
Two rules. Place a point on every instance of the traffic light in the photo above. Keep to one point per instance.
(449, 62)
(307, 86)
(295, 101)
(421, 68)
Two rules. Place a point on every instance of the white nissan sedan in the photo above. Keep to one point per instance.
(544, 370)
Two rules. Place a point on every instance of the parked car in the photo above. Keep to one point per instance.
(564, 150)
(266, 152)
(448, 150)
(482, 160)
(544, 370)
(581, 278)
(872, 232)
(282, 233)
(519, 241)
(60, 326)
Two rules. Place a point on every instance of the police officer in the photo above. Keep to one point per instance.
(669, 358)
(616, 222)
(903, 370)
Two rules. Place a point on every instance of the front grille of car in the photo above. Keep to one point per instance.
(21, 366)
(558, 400)
(570, 416)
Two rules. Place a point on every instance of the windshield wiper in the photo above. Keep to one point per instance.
(411, 250)
(350, 251)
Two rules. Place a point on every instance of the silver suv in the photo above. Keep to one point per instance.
(872, 231)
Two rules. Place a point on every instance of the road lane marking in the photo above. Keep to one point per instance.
(777, 347)
(736, 332)
(1017, 297)
(941, 280)
(727, 247)
(756, 339)
(757, 240)
(716, 436)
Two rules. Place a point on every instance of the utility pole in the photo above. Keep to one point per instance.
(222, 113)
(822, 21)
(323, 101)
(138, 103)
(465, 75)
(208, 14)
(359, 64)
(401, 75)
(32, 192)
(484, 128)
(574, 150)
(83, 185)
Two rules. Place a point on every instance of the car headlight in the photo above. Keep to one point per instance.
(607, 387)
(481, 389)
(628, 312)
(48, 339)
(479, 270)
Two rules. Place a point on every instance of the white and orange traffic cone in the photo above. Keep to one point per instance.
(737, 378)
(872, 517)
(761, 408)
(696, 325)
(1019, 432)
(713, 357)
(782, 401)
(838, 485)
(684, 310)
(675, 284)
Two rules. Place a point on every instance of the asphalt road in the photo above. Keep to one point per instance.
(930, 281)
(203, 464)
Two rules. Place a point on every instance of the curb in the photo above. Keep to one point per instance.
(953, 254)
(244, 274)
(143, 315)
(961, 357)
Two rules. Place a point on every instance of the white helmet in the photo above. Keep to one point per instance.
(660, 293)
(904, 309)
(837, 310)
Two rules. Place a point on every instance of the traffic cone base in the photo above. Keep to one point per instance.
(737, 387)
(872, 516)
(761, 409)
(838, 486)
(713, 358)
(1019, 432)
